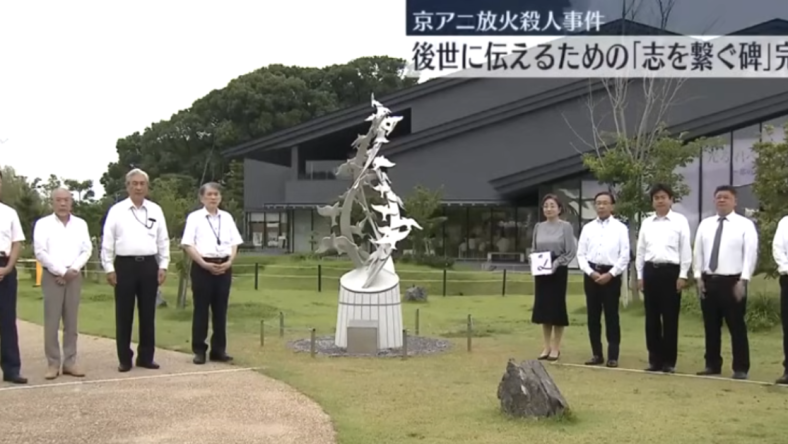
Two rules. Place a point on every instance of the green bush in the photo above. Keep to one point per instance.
(763, 309)
(427, 260)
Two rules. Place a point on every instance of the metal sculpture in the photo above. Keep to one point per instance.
(386, 225)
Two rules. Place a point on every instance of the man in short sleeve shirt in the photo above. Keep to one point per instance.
(211, 239)
(11, 238)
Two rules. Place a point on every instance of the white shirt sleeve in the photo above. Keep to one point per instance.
(623, 251)
(750, 250)
(163, 243)
(189, 237)
(685, 252)
(86, 247)
(640, 249)
(236, 238)
(582, 251)
(41, 251)
(17, 235)
(697, 265)
(779, 247)
(108, 242)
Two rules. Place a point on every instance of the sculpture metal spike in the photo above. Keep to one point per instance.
(365, 170)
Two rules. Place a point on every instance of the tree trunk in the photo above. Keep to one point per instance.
(633, 275)
(183, 281)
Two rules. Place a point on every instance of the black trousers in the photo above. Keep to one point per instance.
(138, 281)
(9, 340)
(719, 304)
(662, 303)
(603, 299)
(211, 293)
(784, 317)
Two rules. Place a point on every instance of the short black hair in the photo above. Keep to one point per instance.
(661, 188)
(728, 188)
(605, 193)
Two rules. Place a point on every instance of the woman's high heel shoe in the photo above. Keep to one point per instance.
(554, 358)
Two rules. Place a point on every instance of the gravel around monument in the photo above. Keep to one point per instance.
(417, 345)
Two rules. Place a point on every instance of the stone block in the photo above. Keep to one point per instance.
(362, 337)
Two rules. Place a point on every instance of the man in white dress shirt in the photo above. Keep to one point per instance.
(663, 259)
(603, 255)
(135, 253)
(62, 245)
(11, 238)
(211, 239)
(726, 251)
(780, 253)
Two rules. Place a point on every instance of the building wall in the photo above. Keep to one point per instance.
(264, 183)
(464, 164)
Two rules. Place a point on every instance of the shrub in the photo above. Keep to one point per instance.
(763, 309)
(426, 260)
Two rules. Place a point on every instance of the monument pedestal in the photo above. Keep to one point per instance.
(380, 302)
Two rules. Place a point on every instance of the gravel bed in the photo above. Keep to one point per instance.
(417, 345)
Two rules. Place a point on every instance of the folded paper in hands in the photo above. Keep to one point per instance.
(541, 264)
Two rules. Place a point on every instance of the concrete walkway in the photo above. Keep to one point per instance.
(179, 404)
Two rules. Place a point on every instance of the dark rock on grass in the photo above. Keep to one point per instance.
(527, 391)
(416, 294)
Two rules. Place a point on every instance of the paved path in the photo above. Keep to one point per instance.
(179, 404)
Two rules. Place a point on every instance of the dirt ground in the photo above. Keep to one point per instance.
(181, 403)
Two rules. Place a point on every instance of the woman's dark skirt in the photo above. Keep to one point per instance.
(550, 298)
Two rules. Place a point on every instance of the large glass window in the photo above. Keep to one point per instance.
(456, 232)
(527, 217)
(689, 205)
(743, 155)
(479, 232)
(589, 190)
(715, 171)
(569, 193)
(504, 225)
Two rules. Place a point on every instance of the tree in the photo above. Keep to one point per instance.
(264, 101)
(771, 189)
(423, 205)
(24, 197)
(168, 193)
(630, 147)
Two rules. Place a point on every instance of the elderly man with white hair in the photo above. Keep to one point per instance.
(62, 245)
(135, 254)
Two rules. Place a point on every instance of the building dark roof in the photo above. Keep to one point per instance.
(342, 118)
(400, 100)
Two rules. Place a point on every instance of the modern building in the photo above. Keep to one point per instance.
(495, 147)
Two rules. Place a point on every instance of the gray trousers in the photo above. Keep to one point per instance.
(61, 302)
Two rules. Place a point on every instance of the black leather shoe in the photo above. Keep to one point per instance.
(739, 375)
(653, 368)
(15, 379)
(782, 380)
(543, 357)
(612, 363)
(596, 360)
(709, 372)
(669, 369)
(221, 358)
(552, 358)
(199, 358)
(123, 368)
(149, 365)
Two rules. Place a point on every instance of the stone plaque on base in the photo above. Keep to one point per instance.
(362, 337)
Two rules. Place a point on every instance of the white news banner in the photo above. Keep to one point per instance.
(541, 264)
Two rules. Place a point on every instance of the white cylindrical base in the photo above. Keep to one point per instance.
(381, 303)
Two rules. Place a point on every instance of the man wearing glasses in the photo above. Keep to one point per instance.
(135, 253)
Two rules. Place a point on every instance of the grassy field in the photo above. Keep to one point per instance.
(451, 398)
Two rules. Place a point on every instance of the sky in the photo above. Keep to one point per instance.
(77, 75)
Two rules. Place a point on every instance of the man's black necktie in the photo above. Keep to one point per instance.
(715, 248)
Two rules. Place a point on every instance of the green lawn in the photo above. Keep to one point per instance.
(451, 398)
